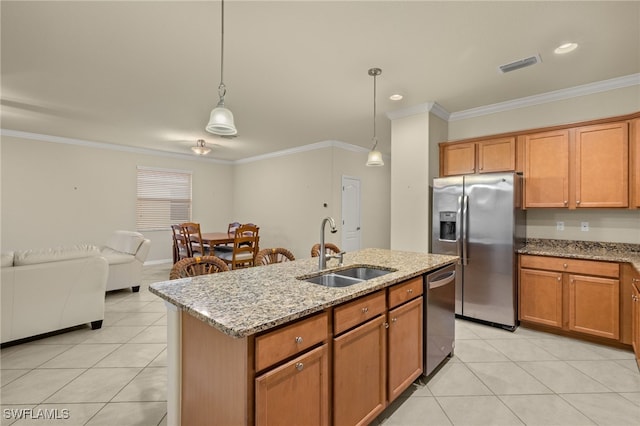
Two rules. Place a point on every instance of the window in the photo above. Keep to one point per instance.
(164, 198)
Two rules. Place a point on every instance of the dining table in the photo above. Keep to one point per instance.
(217, 238)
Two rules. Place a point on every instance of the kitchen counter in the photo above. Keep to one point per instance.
(591, 250)
(244, 302)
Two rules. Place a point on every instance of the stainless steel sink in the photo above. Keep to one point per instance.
(347, 277)
(363, 272)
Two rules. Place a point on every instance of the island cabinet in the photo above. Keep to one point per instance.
(579, 296)
(635, 318)
(484, 156)
(578, 167)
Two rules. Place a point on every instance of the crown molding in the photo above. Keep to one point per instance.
(557, 95)
(108, 146)
(432, 107)
(304, 148)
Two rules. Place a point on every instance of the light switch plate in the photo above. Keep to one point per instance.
(559, 226)
(584, 226)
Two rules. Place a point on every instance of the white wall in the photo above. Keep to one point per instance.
(611, 225)
(285, 196)
(410, 201)
(59, 194)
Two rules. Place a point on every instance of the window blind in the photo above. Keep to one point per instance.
(164, 198)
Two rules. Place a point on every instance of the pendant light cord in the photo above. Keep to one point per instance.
(375, 140)
(222, 90)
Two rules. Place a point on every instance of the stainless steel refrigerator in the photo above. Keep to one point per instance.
(479, 218)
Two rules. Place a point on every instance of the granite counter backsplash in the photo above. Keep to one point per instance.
(593, 250)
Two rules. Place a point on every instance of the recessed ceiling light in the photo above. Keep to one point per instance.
(395, 97)
(565, 48)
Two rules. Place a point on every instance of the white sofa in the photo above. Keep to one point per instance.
(51, 289)
(126, 252)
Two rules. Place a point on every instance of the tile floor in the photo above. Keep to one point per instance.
(116, 376)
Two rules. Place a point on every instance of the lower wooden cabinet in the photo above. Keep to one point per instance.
(296, 392)
(359, 373)
(405, 342)
(635, 318)
(582, 296)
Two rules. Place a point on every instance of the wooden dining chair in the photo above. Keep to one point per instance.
(194, 266)
(329, 248)
(245, 248)
(273, 255)
(193, 235)
(181, 248)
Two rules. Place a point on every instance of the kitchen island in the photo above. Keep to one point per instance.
(223, 329)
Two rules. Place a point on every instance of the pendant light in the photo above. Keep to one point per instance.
(221, 119)
(375, 157)
(200, 148)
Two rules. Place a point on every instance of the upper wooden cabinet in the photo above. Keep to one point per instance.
(580, 167)
(486, 156)
(634, 163)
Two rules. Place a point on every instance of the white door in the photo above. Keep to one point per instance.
(350, 214)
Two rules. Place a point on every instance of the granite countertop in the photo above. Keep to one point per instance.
(244, 302)
(611, 252)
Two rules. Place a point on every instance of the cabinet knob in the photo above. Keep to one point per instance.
(559, 279)
(410, 291)
(298, 339)
(577, 201)
(564, 265)
(299, 366)
(365, 310)
(566, 202)
(394, 319)
(386, 325)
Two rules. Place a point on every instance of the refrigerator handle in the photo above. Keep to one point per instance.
(465, 230)
(459, 228)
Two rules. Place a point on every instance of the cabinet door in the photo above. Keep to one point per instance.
(296, 392)
(359, 373)
(546, 182)
(594, 305)
(458, 159)
(541, 297)
(497, 155)
(634, 162)
(405, 346)
(602, 166)
(635, 319)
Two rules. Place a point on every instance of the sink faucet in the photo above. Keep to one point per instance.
(322, 262)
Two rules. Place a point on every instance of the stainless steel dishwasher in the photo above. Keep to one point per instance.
(439, 316)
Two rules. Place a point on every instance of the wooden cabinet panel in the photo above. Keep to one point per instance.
(594, 306)
(602, 165)
(635, 319)
(497, 155)
(360, 310)
(405, 346)
(634, 163)
(284, 342)
(296, 392)
(458, 159)
(540, 295)
(561, 264)
(546, 173)
(359, 373)
(408, 290)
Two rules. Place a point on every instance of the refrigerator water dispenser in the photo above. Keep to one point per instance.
(447, 226)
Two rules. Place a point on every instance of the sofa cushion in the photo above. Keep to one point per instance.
(7, 259)
(116, 257)
(125, 241)
(56, 254)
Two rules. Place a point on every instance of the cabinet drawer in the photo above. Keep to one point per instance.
(398, 294)
(287, 341)
(585, 267)
(360, 310)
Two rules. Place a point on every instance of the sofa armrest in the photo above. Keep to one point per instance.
(143, 250)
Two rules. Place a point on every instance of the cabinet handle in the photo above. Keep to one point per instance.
(394, 319)
(365, 310)
(386, 325)
(299, 366)
(634, 280)
(410, 291)
(298, 339)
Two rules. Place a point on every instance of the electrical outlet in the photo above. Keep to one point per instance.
(559, 226)
(584, 226)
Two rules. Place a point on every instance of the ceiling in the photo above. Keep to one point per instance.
(146, 74)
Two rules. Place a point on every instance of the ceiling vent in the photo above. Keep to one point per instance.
(522, 63)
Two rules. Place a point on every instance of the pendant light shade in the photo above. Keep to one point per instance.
(375, 157)
(221, 119)
(200, 148)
